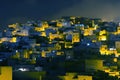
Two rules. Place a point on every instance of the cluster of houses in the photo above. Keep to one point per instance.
(32, 42)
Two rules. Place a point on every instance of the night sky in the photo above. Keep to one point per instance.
(12, 11)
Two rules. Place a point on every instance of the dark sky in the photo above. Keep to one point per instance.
(12, 11)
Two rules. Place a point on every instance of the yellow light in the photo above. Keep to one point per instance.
(102, 38)
(43, 54)
(45, 25)
(39, 29)
(14, 39)
(84, 77)
(6, 73)
(102, 32)
(115, 59)
(12, 26)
